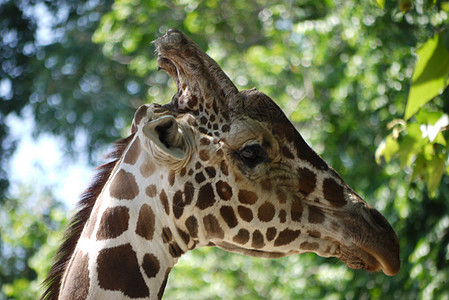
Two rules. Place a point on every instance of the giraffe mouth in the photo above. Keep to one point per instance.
(377, 249)
(358, 258)
(197, 76)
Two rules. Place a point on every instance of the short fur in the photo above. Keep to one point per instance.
(76, 224)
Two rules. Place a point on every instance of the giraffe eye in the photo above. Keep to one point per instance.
(252, 155)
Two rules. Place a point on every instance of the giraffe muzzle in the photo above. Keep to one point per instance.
(376, 244)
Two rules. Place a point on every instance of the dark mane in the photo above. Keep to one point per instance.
(79, 219)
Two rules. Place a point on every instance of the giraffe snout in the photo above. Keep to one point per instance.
(379, 240)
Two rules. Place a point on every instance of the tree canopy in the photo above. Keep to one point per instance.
(364, 82)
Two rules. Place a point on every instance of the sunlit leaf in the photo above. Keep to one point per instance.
(439, 139)
(380, 3)
(434, 127)
(430, 75)
(387, 149)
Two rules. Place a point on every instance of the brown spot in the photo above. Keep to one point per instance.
(281, 196)
(266, 212)
(198, 165)
(307, 181)
(133, 152)
(212, 227)
(140, 113)
(225, 128)
(304, 152)
(286, 152)
(314, 233)
(210, 172)
(184, 236)
(258, 241)
(166, 235)
(204, 155)
(164, 283)
(178, 205)
(223, 190)
(242, 237)
(193, 101)
(118, 270)
(206, 197)
(204, 141)
(224, 168)
(145, 223)
(147, 168)
(309, 246)
(247, 197)
(282, 216)
(199, 177)
(214, 104)
(175, 250)
(89, 229)
(316, 215)
(114, 222)
(296, 210)
(77, 282)
(151, 190)
(227, 213)
(271, 233)
(286, 237)
(171, 178)
(333, 192)
(266, 185)
(203, 120)
(192, 226)
(190, 172)
(183, 172)
(124, 186)
(164, 200)
(245, 213)
(150, 265)
(189, 191)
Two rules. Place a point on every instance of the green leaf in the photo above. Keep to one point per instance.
(430, 74)
(387, 149)
(428, 117)
(419, 168)
(435, 171)
(381, 3)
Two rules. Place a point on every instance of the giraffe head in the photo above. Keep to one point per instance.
(245, 179)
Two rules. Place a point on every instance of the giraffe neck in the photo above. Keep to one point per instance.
(129, 245)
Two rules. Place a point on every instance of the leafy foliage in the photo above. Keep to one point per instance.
(420, 143)
(30, 231)
(430, 75)
(341, 70)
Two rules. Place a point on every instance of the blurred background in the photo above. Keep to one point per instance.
(347, 73)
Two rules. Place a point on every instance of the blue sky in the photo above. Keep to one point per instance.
(41, 163)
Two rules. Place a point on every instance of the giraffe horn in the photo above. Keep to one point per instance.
(199, 79)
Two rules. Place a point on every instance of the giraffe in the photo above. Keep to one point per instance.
(214, 167)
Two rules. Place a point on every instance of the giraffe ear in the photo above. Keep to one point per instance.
(166, 134)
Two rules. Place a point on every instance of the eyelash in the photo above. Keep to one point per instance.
(252, 155)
